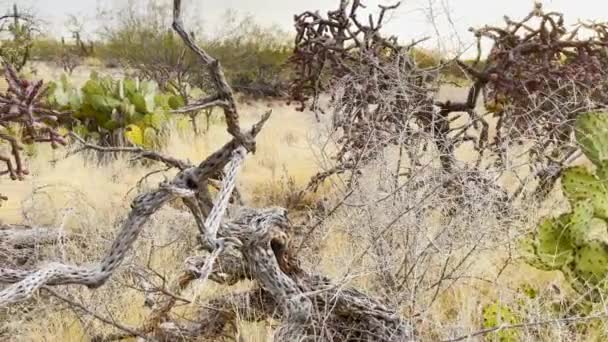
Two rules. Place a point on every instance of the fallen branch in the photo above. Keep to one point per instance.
(184, 185)
(140, 153)
(20, 236)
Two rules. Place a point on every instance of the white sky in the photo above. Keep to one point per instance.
(409, 22)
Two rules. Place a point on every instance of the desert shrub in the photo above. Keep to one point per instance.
(152, 52)
(534, 85)
(378, 94)
(64, 54)
(46, 49)
(426, 58)
(70, 57)
(455, 71)
(116, 112)
(20, 28)
(253, 56)
(73, 47)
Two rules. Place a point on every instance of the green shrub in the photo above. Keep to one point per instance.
(253, 57)
(432, 59)
(46, 49)
(496, 315)
(426, 58)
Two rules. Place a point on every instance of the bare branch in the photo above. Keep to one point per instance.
(140, 152)
(225, 95)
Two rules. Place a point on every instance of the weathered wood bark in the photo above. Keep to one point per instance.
(254, 245)
(307, 305)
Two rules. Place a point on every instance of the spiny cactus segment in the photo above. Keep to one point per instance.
(576, 242)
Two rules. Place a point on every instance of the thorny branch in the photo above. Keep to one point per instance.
(22, 107)
(539, 75)
(140, 153)
(224, 97)
(376, 89)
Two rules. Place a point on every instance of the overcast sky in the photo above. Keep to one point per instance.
(409, 22)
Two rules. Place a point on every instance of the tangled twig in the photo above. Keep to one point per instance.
(22, 107)
(377, 90)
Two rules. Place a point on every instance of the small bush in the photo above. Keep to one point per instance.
(253, 56)
(46, 49)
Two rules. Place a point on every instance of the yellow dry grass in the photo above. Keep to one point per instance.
(82, 196)
(75, 192)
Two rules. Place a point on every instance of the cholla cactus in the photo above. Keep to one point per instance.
(23, 110)
(576, 242)
(20, 27)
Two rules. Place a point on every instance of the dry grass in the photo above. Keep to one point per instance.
(81, 196)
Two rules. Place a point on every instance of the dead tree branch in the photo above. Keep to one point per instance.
(224, 97)
(377, 91)
(252, 244)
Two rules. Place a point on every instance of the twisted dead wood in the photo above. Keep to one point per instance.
(224, 97)
(323, 310)
(308, 306)
(26, 282)
(19, 236)
(183, 185)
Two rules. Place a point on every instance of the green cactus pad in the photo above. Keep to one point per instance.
(176, 102)
(106, 105)
(602, 171)
(576, 243)
(592, 135)
(135, 135)
(495, 315)
(579, 184)
(580, 222)
(156, 120)
(553, 247)
(92, 87)
(591, 262)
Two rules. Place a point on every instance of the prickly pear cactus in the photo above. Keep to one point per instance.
(576, 242)
(116, 110)
(495, 315)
